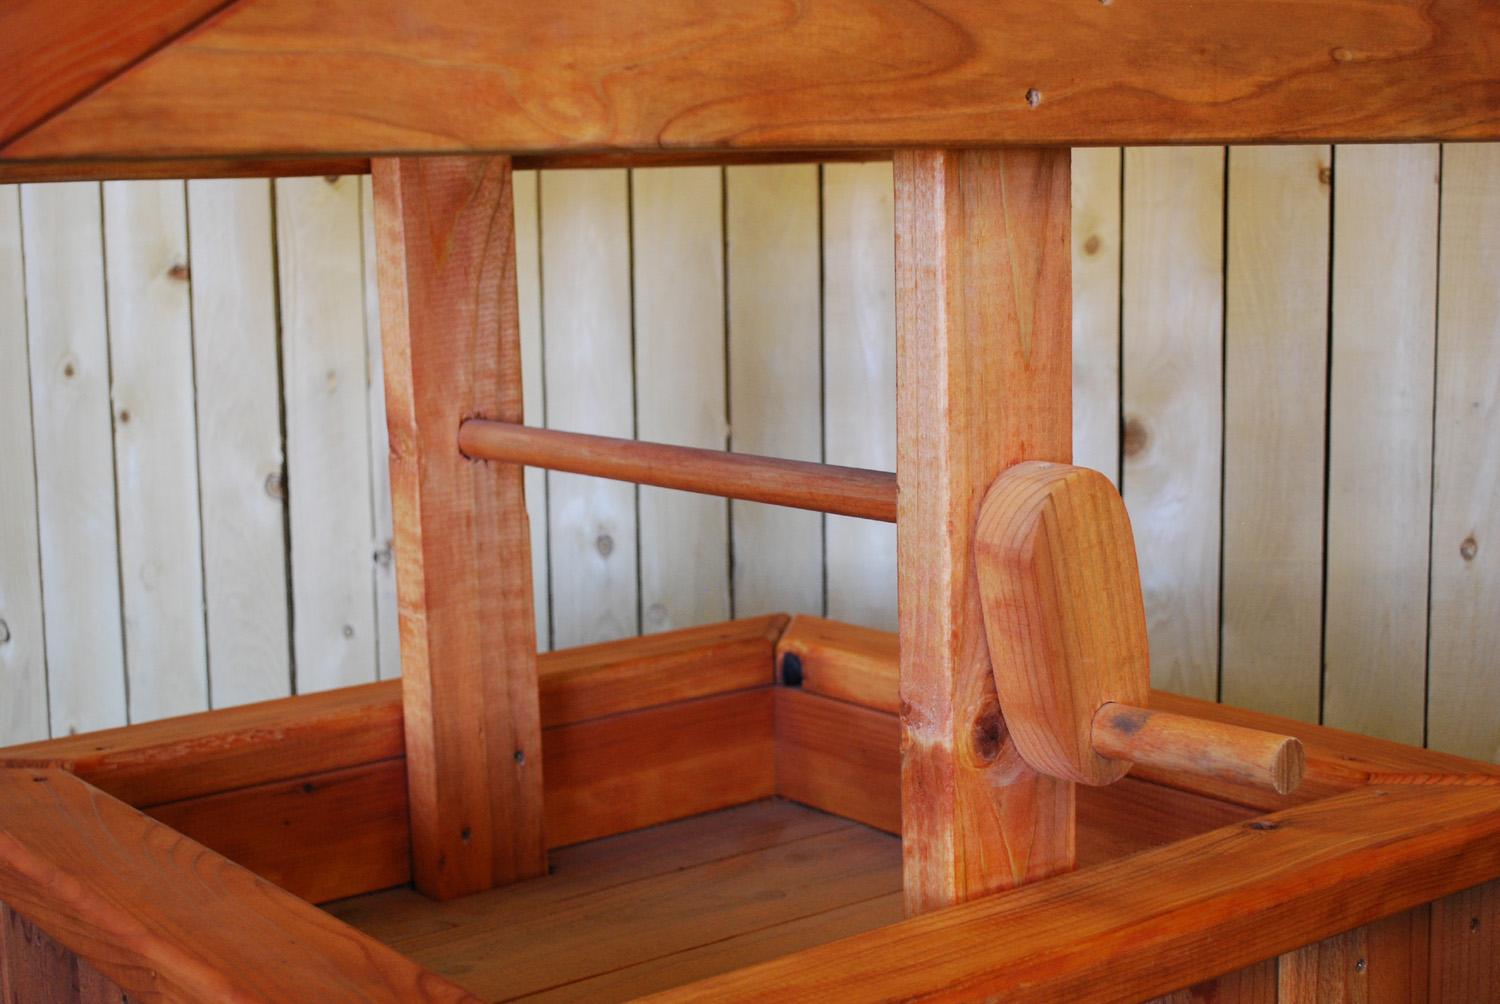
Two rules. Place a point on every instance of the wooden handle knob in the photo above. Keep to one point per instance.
(1187, 745)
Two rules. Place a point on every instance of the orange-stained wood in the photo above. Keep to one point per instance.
(983, 382)
(362, 77)
(1383, 961)
(1062, 612)
(846, 491)
(1181, 744)
(856, 664)
(445, 240)
(1163, 919)
(1465, 965)
(54, 53)
(34, 967)
(168, 919)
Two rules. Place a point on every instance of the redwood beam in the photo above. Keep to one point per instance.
(983, 335)
(445, 240)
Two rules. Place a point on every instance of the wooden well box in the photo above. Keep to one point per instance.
(712, 814)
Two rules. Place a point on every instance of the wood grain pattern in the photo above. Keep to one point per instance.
(594, 571)
(452, 350)
(156, 447)
(1465, 967)
(677, 277)
(68, 353)
(1275, 380)
(771, 480)
(859, 381)
(1096, 310)
(322, 316)
(1463, 689)
(1383, 961)
(1182, 745)
(1173, 322)
(1380, 440)
(984, 336)
(1062, 613)
(1252, 985)
(240, 457)
(166, 918)
(35, 969)
(274, 76)
(23, 654)
(851, 663)
(1162, 919)
(524, 186)
(775, 377)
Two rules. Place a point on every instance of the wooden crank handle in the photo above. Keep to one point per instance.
(1187, 745)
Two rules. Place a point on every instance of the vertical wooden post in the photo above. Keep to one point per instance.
(445, 241)
(983, 308)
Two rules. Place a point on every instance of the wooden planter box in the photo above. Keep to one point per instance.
(143, 859)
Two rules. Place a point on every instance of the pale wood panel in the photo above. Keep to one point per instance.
(775, 377)
(678, 255)
(240, 462)
(23, 658)
(587, 340)
(1173, 325)
(327, 436)
(859, 380)
(75, 482)
(1275, 378)
(387, 623)
(156, 468)
(1096, 310)
(1463, 680)
(1380, 439)
(529, 305)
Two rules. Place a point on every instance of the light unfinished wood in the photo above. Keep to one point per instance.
(775, 376)
(1380, 440)
(241, 467)
(677, 281)
(452, 349)
(1463, 689)
(529, 308)
(1275, 379)
(205, 935)
(859, 380)
(23, 655)
(327, 483)
(1465, 967)
(68, 354)
(1201, 907)
(1180, 744)
(383, 541)
(1062, 613)
(586, 328)
(1096, 310)
(156, 447)
(265, 78)
(1173, 372)
(772, 480)
(984, 335)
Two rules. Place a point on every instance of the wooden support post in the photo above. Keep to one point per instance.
(983, 382)
(446, 245)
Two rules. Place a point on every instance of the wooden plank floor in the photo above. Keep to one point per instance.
(644, 911)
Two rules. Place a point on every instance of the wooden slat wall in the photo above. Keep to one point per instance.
(1266, 325)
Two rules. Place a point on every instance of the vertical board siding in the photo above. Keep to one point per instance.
(327, 431)
(1464, 682)
(156, 449)
(859, 380)
(586, 324)
(240, 462)
(753, 305)
(529, 306)
(1173, 371)
(68, 349)
(1096, 310)
(775, 377)
(23, 659)
(1380, 439)
(678, 253)
(1275, 376)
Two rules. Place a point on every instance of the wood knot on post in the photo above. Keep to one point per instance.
(987, 735)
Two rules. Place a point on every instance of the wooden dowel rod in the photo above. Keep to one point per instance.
(844, 491)
(1197, 746)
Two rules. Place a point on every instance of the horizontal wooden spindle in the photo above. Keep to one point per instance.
(1197, 746)
(844, 491)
